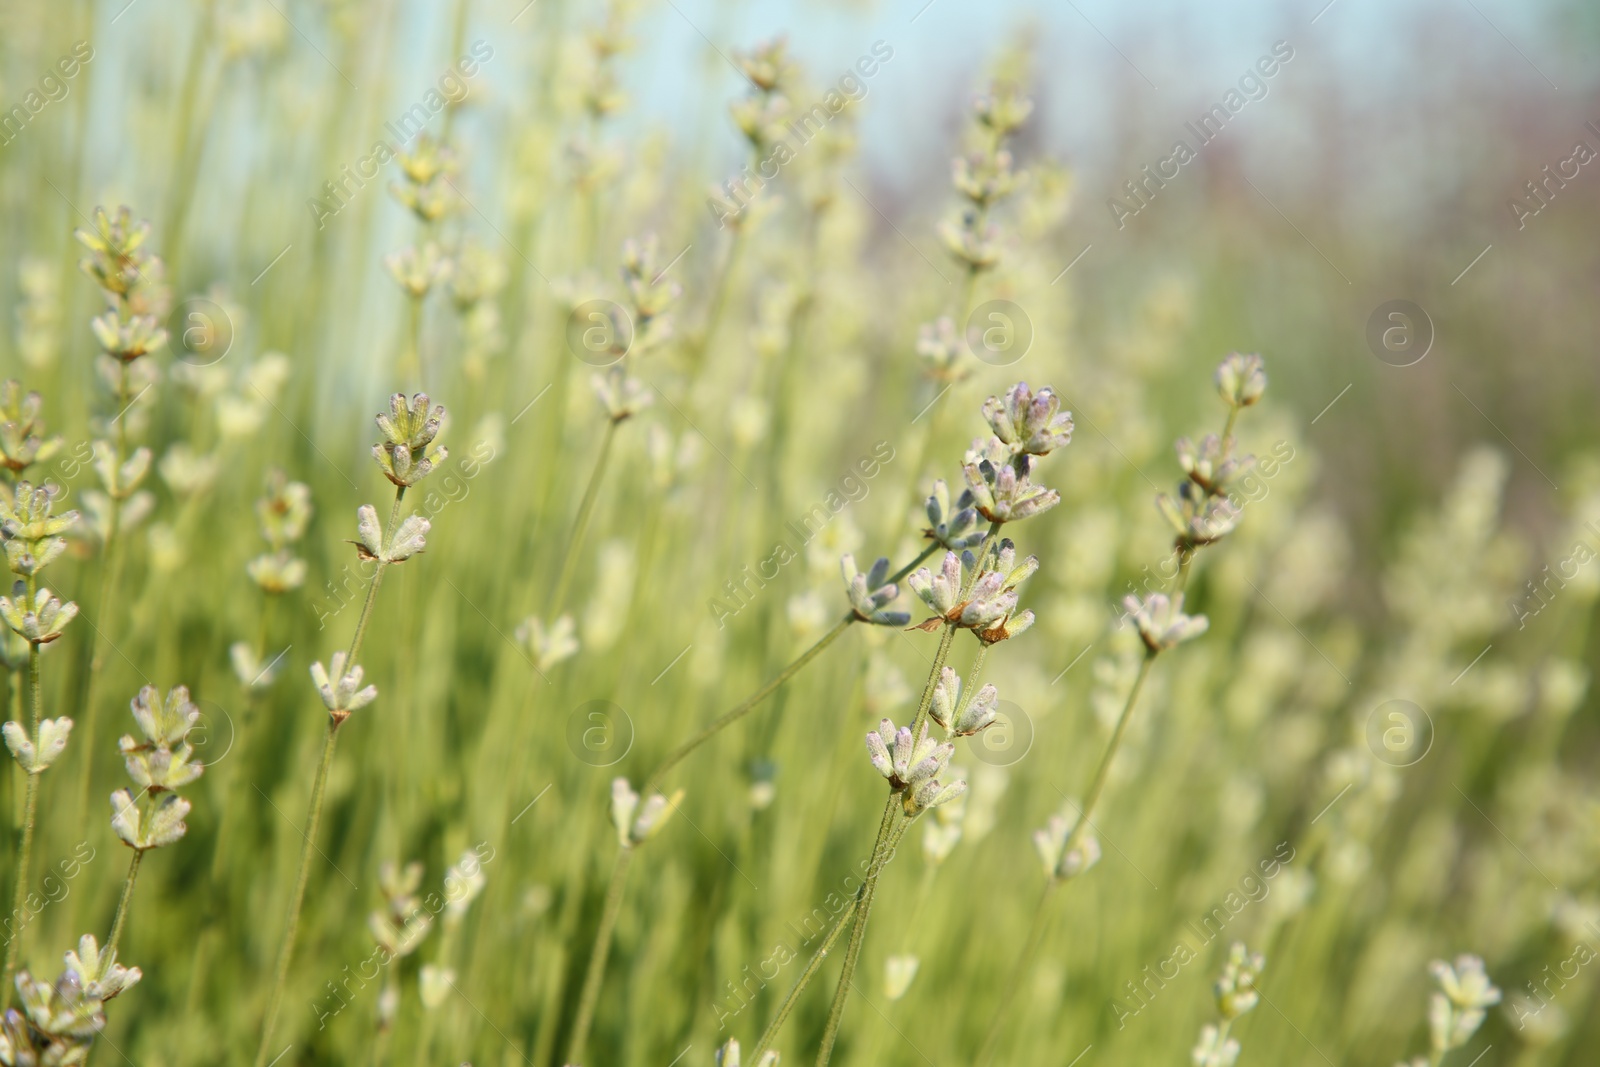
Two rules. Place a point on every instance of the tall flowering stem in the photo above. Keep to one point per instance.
(33, 539)
(131, 279)
(406, 456)
(1200, 514)
(869, 594)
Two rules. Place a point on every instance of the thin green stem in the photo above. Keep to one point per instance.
(1098, 785)
(110, 572)
(881, 851)
(30, 812)
(318, 791)
(292, 925)
(595, 973)
(125, 901)
(813, 965)
(1096, 788)
(580, 525)
(744, 707)
(1014, 976)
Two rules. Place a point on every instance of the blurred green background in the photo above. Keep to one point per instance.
(1389, 559)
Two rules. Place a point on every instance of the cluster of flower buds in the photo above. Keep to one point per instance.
(58, 1022)
(636, 822)
(988, 607)
(728, 1056)
(946, 709)
(648, 327)
(426, 190)
(999, 470)
(401, 924)
(649, 292)
(34, 616)
(1202, 511)
(1235, 988)
(1051, 842)
(340, 687)
(1161, 621)
(417, 270)
(284, 512)
(30, 529)
(1456, 1012)
(955, 527)
(600, 92)
(912, 765)
(1236, 994)
(870, 595)
(160, 763)
(409, 428)
(985, 176)
(23, 438)
(760, 113)
(941, 351)
(131, 278)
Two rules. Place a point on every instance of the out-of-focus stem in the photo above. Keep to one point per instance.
(596, 970)
(580, 525)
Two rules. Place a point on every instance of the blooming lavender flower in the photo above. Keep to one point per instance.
(409, 429)
(39, 618)
(946, 710)
(1031, 423)
(869, 594)
(1161, 621)
(1001, 491)
(1198, 516)
(954, 528)
(911, 766)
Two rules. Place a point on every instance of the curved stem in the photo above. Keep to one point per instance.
(744, 707)
(126, 900)
(1014, 977)
(595, 973)
(580, 525)
(881, 851)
